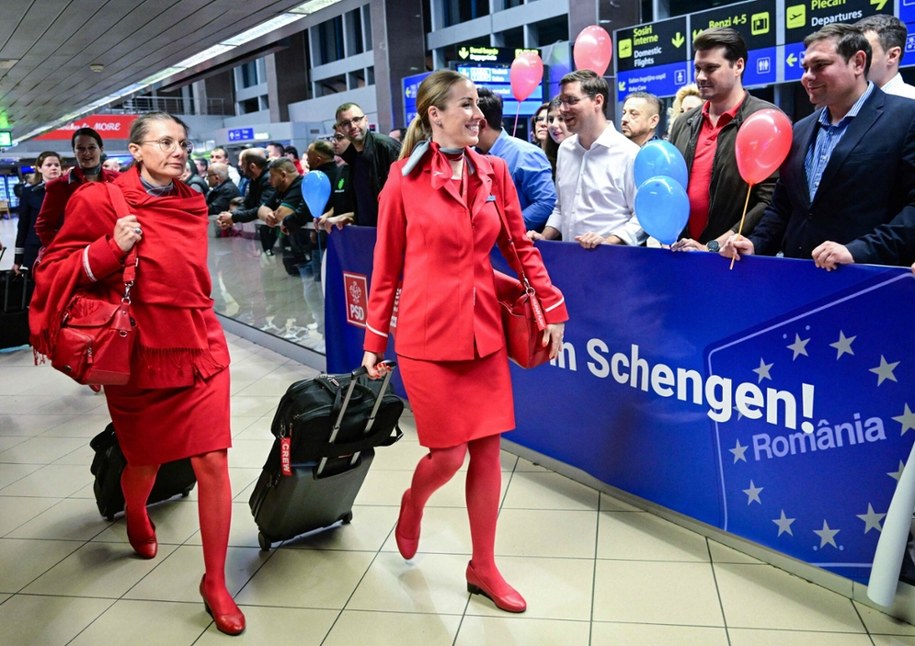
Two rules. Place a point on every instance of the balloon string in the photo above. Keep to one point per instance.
(517, 113)
(742, 218)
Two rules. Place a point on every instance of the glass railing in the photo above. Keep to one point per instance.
(279, 294)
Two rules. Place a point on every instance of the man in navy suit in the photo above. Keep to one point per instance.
(846, 193)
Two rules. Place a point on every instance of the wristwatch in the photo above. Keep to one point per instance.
(713, 246)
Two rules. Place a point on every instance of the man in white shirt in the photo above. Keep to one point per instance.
(887, 35)
(595, 187)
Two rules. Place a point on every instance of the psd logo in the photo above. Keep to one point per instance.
(357, 300)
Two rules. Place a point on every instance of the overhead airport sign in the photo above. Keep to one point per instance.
(6, 138)
(755, 21)
(807, 16)
(653, 57)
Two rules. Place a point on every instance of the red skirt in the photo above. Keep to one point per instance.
(158, 425)
(458, 401)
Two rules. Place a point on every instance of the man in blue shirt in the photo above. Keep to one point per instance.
(528, 165)
(846, 193)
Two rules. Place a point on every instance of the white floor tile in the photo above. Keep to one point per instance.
(71, 519)
(15, 511)
(431, 583)
(277, 627)
(26, 560)
(27, 620)
(42, 450)
(547, 533)
(619, 634)
(306, 579)
(445, 530)
(656, 592)
(392, 629)
(761, 596)
(545, 490)
(498, 631)
(151, 623)
(177, 577)
(879, 623)
(104, 570)
(51, 481)
(756, 637)
(645, 537)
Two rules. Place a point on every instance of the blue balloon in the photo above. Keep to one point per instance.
(316, 191)
(662, 207)
(660, 158)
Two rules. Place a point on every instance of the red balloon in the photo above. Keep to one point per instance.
(593, 50)
(762, 144)
(526, 74)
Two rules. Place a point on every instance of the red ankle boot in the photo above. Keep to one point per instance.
(147, 546)
(503, 595)
(231, 623)
(406, 535)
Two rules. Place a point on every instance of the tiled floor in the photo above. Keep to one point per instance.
(594, 570)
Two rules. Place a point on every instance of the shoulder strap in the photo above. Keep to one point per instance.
(132, 260)
(508, 233)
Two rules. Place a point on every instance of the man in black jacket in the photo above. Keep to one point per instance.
(706, 137)
(253, 164)
(847, 189)
(222, 189)
(369, 156)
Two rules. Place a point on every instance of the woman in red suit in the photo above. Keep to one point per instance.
(176, 404)
(438, 221)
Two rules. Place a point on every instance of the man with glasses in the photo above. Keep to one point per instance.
(369, 156)
(595, 188)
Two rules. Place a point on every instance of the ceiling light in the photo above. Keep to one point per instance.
(7, 63)
(98, 68)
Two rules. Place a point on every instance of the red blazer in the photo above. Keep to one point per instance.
(441, 247)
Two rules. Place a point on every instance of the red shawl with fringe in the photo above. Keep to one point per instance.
(178, 335)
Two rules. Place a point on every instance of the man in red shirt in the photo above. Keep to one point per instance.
(706, 136)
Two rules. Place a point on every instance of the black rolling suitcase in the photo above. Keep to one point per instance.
(327, 429)
(14, 315)
(173, 478)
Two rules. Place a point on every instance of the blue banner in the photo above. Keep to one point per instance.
(772, 401)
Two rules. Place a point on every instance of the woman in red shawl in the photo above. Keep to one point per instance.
(177, 402)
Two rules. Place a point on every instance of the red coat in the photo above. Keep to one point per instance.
(442, 248)
(57, 194)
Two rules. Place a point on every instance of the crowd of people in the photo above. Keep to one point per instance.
(845, 194)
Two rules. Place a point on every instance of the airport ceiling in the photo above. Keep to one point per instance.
(48, 46)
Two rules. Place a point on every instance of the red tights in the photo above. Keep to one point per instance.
(482, 490)
(214, 508)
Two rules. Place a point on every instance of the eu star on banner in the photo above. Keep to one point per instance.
(810, 457)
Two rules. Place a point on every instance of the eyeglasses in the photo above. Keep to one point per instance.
(169, 145)
(569, 101)
(355, 121)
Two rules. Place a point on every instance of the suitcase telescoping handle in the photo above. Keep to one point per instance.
(354, 377)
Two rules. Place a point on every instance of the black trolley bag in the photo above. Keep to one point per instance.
(327, 429)
(15, 294)
(172, 479)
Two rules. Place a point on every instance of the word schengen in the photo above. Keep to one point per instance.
(721, 395)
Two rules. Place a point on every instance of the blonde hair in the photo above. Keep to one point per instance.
(433, 90)
(674, 111)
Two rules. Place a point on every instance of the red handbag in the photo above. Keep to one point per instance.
(95, 342)
(523, 321)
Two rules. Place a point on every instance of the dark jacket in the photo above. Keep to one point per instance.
(27, 241)
(380, 151)
(866, 197)
(220, 197)
(259, 193)
(727, 190)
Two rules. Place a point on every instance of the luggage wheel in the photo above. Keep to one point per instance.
(347, 518)
(110, 518)
(263, 541)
